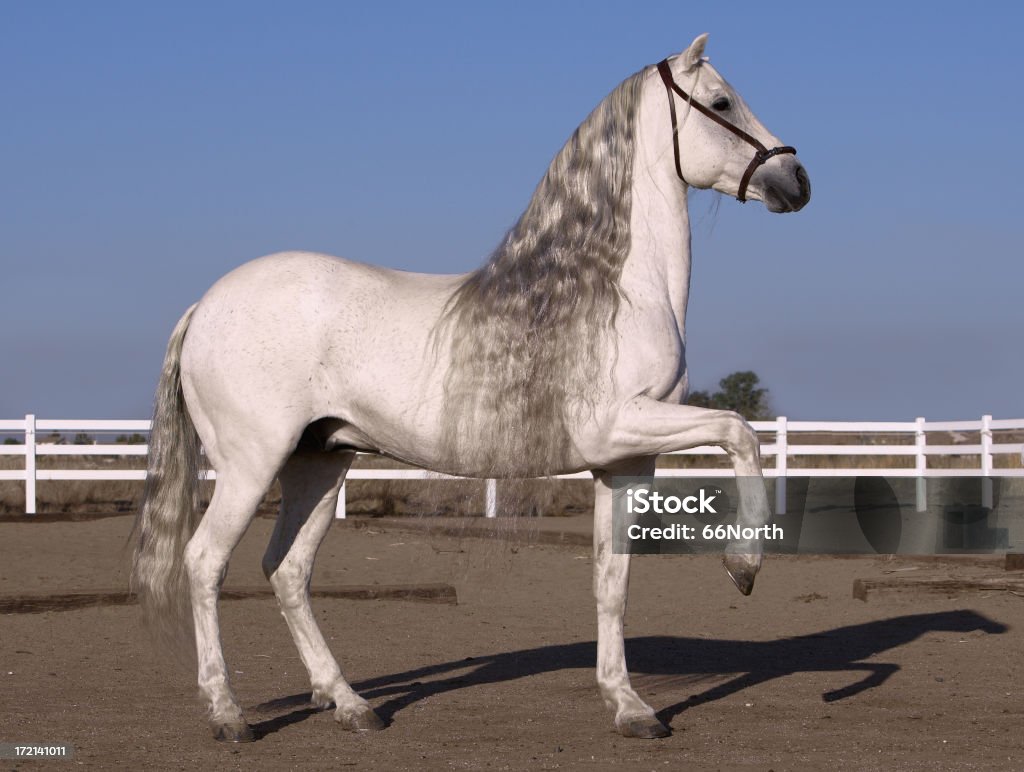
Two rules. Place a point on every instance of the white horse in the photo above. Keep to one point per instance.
(564, 352)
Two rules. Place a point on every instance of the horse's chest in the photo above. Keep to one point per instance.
(652, 358)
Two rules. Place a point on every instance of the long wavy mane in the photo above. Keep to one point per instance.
(528, 328)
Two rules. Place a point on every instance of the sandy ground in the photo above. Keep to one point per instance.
(798, 676)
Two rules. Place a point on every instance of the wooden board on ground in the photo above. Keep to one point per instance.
(37, 603)
(863, 589)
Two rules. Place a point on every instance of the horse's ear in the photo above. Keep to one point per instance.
(692, 55)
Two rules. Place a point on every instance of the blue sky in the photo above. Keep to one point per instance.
(148, 148)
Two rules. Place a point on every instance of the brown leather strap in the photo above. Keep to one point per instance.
(762, 154)
(666, 78)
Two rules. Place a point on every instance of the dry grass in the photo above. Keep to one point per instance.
(379, 498)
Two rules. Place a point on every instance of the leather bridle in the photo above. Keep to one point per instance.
(762, 154)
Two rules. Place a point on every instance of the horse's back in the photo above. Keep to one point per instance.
(297, 336)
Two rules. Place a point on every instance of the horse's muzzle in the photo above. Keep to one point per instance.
(784, 187)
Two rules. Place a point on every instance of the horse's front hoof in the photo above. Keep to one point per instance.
(742, 569)
(644, 728)
(234, 733)
(359, 721)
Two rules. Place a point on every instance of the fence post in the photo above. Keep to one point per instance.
(921, 465)
(339, 509)
(781, 464)
(30, 464)
(491, 498)
(986, 461)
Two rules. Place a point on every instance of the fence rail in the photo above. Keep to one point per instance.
(782, 431)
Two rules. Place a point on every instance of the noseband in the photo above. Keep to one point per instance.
(762, 154)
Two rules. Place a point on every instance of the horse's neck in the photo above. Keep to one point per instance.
(657, 270)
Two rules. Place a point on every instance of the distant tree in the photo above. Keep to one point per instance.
(82, 439)
(739, 392)
(12, 441)
(54, 438)
(700, 399)
(131, 439)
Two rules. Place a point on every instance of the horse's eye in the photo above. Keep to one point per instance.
(721, 104)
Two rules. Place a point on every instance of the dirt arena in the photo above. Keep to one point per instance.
(801, 675)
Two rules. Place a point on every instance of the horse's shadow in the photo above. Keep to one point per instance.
(839, 649)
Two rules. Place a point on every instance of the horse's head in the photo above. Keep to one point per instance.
(720, 143)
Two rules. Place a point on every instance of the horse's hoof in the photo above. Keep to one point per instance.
(644, 728)
(742, 569)
(362, 721)
(234, 733)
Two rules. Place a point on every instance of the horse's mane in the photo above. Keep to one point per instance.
(528, 327)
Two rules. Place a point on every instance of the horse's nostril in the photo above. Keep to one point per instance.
(804, 182)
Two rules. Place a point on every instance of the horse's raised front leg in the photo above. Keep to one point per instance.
(633, 716)
(310, 483)
(648, 427)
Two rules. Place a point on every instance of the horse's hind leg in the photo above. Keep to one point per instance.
(235, 499)
(310, 483)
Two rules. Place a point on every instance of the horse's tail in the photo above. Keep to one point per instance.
(170, 505)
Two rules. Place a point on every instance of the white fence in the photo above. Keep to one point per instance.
(781, 449)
